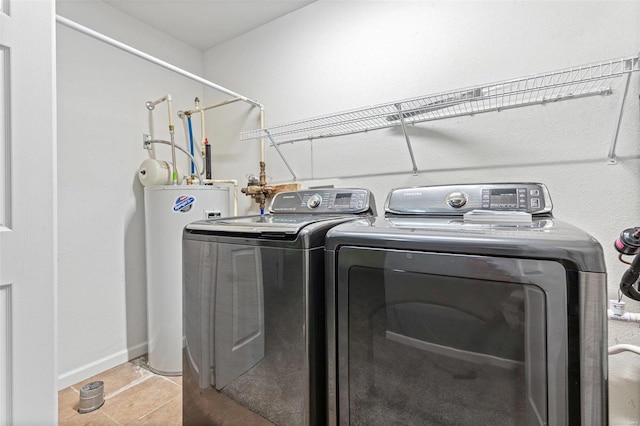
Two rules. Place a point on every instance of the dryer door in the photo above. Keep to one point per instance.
(428, 338)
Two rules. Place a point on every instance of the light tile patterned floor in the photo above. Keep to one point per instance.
(133, 395)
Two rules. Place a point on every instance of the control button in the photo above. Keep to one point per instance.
(352, 205)
(314, 201)
(360, 204)
(456, 199)
(361, 196)
(534, 192)
(535, 203)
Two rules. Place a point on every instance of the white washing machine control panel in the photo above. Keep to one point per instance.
(531, 198)
(330, 200)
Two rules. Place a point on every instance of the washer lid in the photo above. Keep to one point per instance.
(463, 225)
(542, 238)
(265, 225)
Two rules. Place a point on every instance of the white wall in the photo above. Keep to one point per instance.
(101, 119)
(338, 55)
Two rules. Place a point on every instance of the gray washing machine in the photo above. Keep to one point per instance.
(254, 310)
(466, 305)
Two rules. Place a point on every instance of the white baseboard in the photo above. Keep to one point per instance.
(84, 372)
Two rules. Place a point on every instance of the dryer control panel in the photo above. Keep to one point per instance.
(324, 201)
(456, 200)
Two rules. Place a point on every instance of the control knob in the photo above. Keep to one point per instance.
(456, 199)
(314, 201)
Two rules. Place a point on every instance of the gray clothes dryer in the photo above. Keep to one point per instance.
(466, 305)
(254, 310)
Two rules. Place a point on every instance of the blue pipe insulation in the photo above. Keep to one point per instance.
(261, 212)
(193, 168)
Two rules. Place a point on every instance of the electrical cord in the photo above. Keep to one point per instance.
(622, 260)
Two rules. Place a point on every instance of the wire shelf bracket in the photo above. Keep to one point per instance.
(614, 138)
(571, 83)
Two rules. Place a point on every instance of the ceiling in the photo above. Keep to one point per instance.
(206, 23)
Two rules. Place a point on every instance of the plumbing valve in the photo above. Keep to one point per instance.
(258, 189)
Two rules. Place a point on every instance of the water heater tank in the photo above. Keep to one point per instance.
(167, 209)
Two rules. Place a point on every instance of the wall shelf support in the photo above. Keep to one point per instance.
(284, 160)
(406, 137)
(614, 138)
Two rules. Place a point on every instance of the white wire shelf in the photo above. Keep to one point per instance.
(586, 80)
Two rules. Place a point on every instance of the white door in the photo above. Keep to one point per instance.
(28, 383)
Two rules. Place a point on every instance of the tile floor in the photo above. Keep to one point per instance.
(132, 394)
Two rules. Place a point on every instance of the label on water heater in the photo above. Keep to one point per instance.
(183, 204)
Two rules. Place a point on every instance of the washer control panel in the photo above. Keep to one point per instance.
(458, 199)
(329, 200)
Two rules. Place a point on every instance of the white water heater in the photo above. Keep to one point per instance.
(167, 209)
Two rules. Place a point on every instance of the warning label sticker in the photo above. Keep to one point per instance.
(183, 203)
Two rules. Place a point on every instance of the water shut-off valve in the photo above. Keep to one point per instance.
(258, 189)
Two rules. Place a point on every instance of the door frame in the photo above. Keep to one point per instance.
(28, 238)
